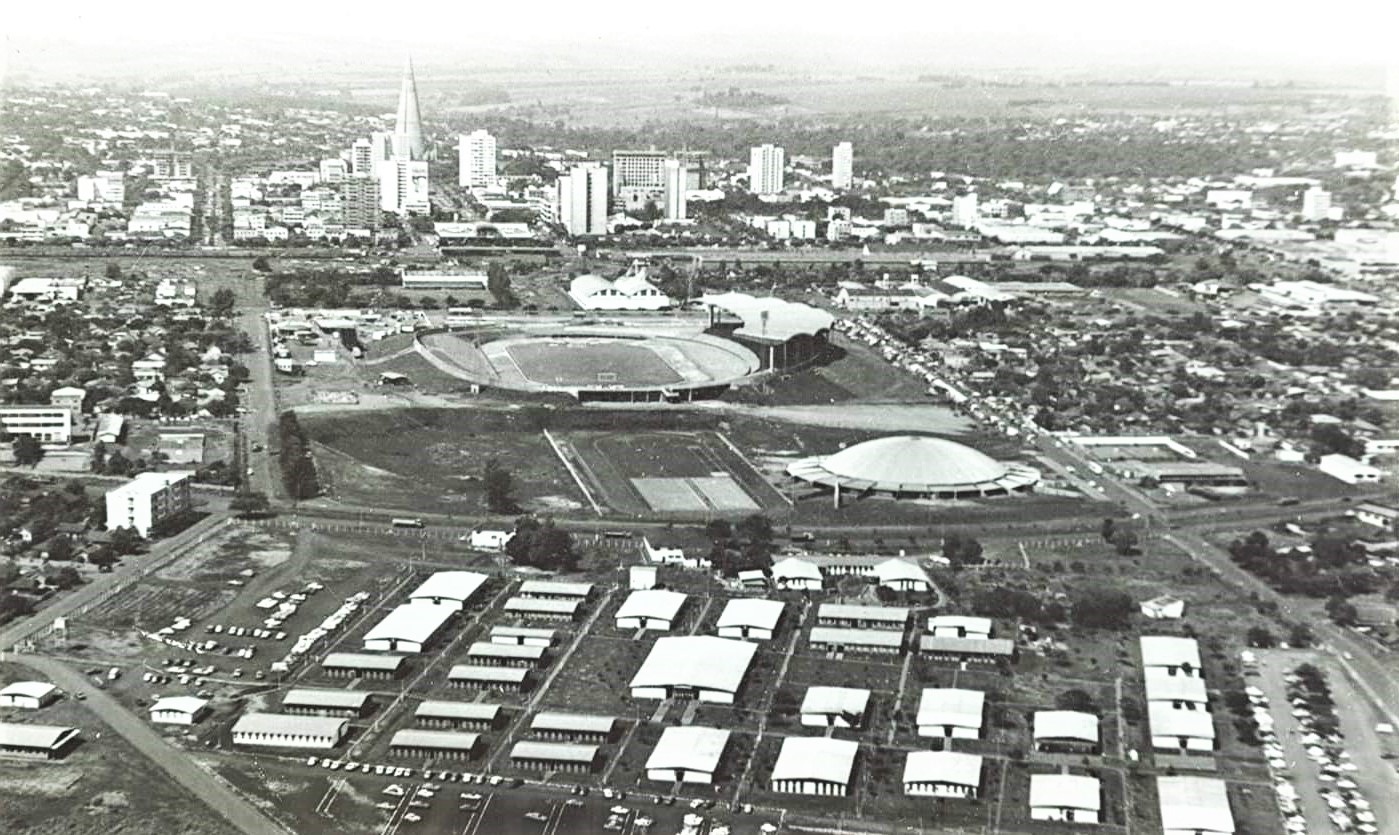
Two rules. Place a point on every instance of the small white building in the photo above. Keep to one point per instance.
(750, 618)
(1072, 798)
(641, 577)
(282, 730)
(484, 540)
(28, 695)
(959, 626)
(1194, 806)
(655, 609)
(1066, 731)
(148, 500)
(1165, 607)
(902, 575)
(688, 754)
(1385, 517)
(814, 766)
(824, 706)
(1177, 656)
(796, 575)
(1349, 470)
(942, 774)
(951, 713)
(179, 710)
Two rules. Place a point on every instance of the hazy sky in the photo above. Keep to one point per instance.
(1009, 33)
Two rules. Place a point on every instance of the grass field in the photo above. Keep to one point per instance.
(590, 362)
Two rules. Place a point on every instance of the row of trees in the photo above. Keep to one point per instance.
(1333, 567)
(298, 468)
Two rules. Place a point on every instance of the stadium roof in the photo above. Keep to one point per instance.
(1194, 804)
(447, 740)
(1169, 651)
(763, 614)
(943, 767)
(1161, 686)
(554, 751)
(1066, 724)
(1165, 720)
(652, 603)
(951, 706)
(826, 700)
(410, 622)
(450, 585)
(179, 704)
(34, 736)
(692, 748)
(478, 711)
(816, 758)
(913, 464)
(307, 697)
(700, 661)
(771, 319)
(1065, 791)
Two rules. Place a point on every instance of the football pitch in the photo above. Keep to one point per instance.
(588, 362)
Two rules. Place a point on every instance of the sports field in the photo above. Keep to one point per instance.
(589, 362)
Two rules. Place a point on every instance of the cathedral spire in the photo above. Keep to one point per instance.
(408, 128)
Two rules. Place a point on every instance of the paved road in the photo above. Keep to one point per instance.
(260, 399)
(217, 794)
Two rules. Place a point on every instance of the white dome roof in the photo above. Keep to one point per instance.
(915, 460)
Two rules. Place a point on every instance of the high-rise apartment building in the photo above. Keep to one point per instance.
(333, 170)
(765, 169)
(360, 205)
(476, 157)
(843, 166)
(582, 199)
(1316, 204)
(172, 165)
(403, 186)
(965, 212)
(676, 177)
(362, 158)
(148, 500)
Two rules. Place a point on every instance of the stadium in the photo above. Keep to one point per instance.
(670, 361)
(914, 467)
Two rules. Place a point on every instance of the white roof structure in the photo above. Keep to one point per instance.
(794, 568)
(509, 652)
(658, 604)
(943, 767)
(543, 605)
(179, 704)
(700, 661)
(1165, 720)
(554, 588)
(1194, 805)
(914, 464)
(1065, 791)
(286, 724)
(771, 319)
(34, 736)
(691, 747)
(554, 720)
(1066, 724)
(410, 622)
(1161, 686)
(553, 751)
(323, 698)
(966, 626)
(488, 673)
(763, 614)
(842, 636)
(466, 711)
(444, 740)
(892, 615)
(629, 292)
(991, 647)
(895, 570)
(1170, 651)
(951, 706)
(33, 689)
(450, 585)
(844, 701)
(363, 661)
(816, 758)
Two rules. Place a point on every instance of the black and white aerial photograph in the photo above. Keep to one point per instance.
(878, 418)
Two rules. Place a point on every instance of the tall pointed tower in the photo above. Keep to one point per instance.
(408, 129)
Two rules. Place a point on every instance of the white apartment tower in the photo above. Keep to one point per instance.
(147, 500)
(765, 169)
(582, 199)
(843, 166)
(476, 155)
(1316, 204)
(676, 176)
(964, 210)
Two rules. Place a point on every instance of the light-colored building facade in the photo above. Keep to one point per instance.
(766, 169)
(843, 166)
(476, 161)
(583, 200)
(147, 500)
(45, 424)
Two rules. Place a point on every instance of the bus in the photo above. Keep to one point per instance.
(404, 522)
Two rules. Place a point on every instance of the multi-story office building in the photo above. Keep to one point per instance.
(582, 199)
(147, 500)
(766, 164)
(843, 166)
(47, 424)
(476, 157)
(640, 170)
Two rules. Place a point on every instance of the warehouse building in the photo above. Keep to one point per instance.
(412, 742)
(701, 667)
(349, 704)
(408, 628)
(543, 608)
(573, 727)
(555, 756)
(505, 655)
(1065, 731)
(1072, 798)
(942, 774)
(523, 635)
(815, 766)
(483, 677)
(282, 730)
(689, 754)
(36, 742)
(179, 710)
(849, 616)
(869, 641)
(364, 665)
(449, 588)
(1194, 806)
(28, 695)
(654, 609)
(951, 713)
(750, 618)
(444, 714)
(835, 707)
